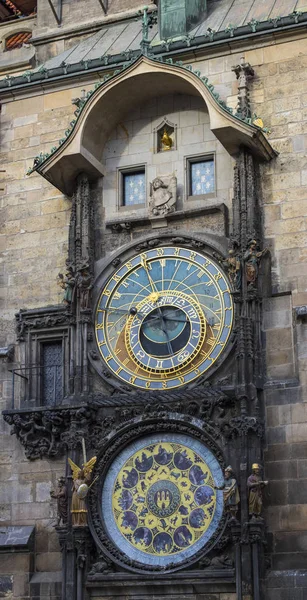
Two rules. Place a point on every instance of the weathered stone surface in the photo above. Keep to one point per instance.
(282, 470)
(6, 586)
(35, 243)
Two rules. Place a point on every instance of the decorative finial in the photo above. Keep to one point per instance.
(148, 20)
(244, 72)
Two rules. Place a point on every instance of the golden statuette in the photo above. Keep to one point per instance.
(166, 141)
(81, 485)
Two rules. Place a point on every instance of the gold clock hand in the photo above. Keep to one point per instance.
(155, 293)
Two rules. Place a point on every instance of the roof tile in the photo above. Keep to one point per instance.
(17, 40)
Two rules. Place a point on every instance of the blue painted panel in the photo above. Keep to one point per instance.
(202, 177)
(134, 188)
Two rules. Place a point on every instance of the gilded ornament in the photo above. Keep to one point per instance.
(166, 141)
(159, 499)
(81, 485)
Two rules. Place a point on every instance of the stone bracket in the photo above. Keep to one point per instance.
(118, 225)
(48, 432)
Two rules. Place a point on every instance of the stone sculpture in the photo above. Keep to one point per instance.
(230, 492)
(84, 285)
(163, 195)
(60, 494)
(252, 259)
(233, 265)
(255, 486)
(68, 284)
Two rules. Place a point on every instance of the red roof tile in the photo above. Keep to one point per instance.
(17, 40)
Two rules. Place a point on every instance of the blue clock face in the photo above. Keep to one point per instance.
(164, 318)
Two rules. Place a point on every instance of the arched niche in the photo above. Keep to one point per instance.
(83, 149)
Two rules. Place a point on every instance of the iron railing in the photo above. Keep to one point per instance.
(29, 387)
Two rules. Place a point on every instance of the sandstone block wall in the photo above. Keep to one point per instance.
(33, 239)
(133, 143)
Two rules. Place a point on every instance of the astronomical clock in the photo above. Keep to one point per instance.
(163, 318)
(160, 502)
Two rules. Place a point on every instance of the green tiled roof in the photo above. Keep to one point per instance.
(41, 158)
(115, 44)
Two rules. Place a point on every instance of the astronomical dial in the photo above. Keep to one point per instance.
(159, 499)
(164, 318)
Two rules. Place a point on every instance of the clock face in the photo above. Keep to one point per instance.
(159, 499)
(164, 318)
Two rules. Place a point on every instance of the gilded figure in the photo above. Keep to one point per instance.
(81, 485)
(166, 141)
(255, 485)
(230, 492)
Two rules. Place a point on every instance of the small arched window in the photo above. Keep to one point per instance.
(17, 40)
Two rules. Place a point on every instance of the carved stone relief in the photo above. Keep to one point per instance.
(163, 195)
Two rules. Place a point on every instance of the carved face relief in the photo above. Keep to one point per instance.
(164, 318)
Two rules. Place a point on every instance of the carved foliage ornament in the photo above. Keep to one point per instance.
(41, 319)
(46, 433)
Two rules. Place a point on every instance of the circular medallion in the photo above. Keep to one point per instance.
(163, 498)
(159, 501)
(164, 318)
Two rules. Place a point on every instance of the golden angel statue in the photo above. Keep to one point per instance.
(81, 485)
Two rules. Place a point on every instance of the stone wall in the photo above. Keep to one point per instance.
(279, 96)
(19, 59)
(33, 240)
(34, 231)
(133, 143)
(85, 11)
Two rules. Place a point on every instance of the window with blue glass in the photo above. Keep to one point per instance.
(133, 188)
(202, 178)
